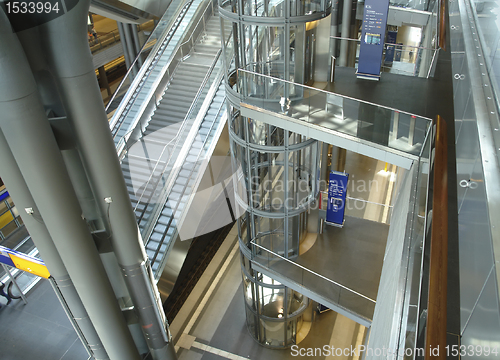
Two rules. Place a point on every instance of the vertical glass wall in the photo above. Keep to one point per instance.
(276, 169)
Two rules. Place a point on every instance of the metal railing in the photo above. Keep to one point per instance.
(338, 294)
(113, 37)
(407, 60)
(174, 142)
(160, 33)
(326, 110)
(143, 116)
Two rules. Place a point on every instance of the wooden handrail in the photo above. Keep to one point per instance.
(442, 24)
(435, 333)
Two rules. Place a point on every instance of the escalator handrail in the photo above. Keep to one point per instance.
(147, 64)
(175, 53)
(149, 227)
(176, 138)
(184, 211)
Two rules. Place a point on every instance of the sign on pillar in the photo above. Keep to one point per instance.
(372, 39)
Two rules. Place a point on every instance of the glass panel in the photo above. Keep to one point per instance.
(251, 323)
(249, 290)
(9, 228)
(274, 332)
(229, 5)
(372, 123)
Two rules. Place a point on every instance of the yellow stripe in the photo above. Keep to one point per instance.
(30, 266)
(5, 219)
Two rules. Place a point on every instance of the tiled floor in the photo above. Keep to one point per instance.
(38, 330)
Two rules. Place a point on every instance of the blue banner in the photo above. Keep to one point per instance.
(337, 191)
(4, 196)
(372, 38)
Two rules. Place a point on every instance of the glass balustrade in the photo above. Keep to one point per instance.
(373, 123)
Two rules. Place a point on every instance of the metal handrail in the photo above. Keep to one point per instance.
(201, 116)
(313, 272)
(198, 23)
(175, 52)
(165, 33)
(331, 93)
(181, 129)
(187, 182)
(435, 332)
(385, 43)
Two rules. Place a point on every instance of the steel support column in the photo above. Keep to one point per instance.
(32, 143)
(125, 46)
(346, 26)
(13, 179)
(75, 78)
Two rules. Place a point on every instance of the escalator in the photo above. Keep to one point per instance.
(161, 168)
(154, 69)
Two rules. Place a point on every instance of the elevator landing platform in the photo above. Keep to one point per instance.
(347, 263)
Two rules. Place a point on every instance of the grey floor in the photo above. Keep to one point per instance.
(38, 330)
(219, 330)
(351, 256)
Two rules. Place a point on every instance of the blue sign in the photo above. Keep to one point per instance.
(337, 191)
(4, 196)
(372, 38)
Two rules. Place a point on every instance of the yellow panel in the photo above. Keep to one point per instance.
(5, 219)
(30, 266)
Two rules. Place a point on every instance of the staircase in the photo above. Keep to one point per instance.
(148, 165)
(155, 69)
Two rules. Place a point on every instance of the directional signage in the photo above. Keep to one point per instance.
(23, 262)
(337, 191)
(372, 38)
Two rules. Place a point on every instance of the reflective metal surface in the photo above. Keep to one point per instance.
(477, 176)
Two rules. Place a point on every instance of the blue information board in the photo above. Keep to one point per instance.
(337, 191)
(372, 38)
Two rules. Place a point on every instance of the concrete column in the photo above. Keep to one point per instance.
(346, 25)
(126, 54)
(129, 46)
(137, 44)
(18, 189)
(325, 167)
(334, 28)
(77, 84)
(30, 138)
(338, 159)
(104, 80)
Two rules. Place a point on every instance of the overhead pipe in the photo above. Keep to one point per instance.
(33, 145)
(75, 78)
(14, 181)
